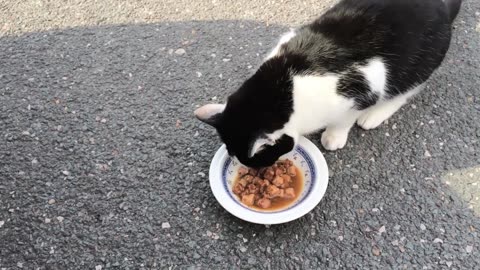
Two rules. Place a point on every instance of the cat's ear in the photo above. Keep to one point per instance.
(258, 145)
(210, 113)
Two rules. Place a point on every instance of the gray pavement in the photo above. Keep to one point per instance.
(102, 165)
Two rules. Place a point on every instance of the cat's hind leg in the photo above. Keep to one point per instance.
(378, 113)
(374, 116)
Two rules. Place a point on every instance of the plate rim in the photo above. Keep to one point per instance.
(318, 190)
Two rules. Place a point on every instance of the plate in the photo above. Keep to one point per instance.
(306, 156)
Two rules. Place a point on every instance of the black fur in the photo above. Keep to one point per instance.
(260, 106)
(411, 36)
(354, 85)
(453, 7)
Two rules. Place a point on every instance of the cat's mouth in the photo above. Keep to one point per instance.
(268, 154)
(260, 145)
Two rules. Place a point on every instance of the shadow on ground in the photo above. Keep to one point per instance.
(102, 163)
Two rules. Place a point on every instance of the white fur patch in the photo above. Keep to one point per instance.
(316, 102)
(316, 105)
(376, 74)
(284, 39)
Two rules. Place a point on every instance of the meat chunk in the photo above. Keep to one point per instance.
(289, 193)
(287, 178)
(238, 189)
(245, 192)
(242, 171)
(269, 174)
(278, 181)
(248, 178)
(288, 162)
(292, 171)
(280, 171)
(252, 188)
(264, 203)
(243, 182)
(273, 191)
(248, 199)
(253, 172)
(257, 181)
(264, 185)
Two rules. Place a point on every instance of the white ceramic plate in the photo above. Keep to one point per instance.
(306, 156)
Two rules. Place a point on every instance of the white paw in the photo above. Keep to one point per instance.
(334, 140)
(371, 119)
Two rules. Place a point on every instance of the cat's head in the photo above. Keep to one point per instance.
(251, 122)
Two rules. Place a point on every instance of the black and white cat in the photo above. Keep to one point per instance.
(359, 62)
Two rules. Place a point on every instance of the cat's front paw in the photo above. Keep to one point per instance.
(334, 140)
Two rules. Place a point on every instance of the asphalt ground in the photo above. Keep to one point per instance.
(102, 165)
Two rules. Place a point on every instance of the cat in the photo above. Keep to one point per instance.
(358, 62)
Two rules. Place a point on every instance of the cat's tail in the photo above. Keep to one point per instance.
(453, 6)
